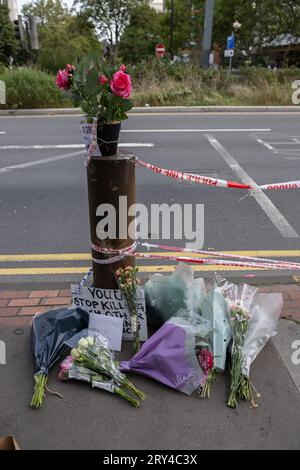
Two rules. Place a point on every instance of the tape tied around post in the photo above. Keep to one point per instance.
(230, 259)
(121, 253)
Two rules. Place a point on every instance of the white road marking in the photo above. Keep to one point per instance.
(67, 146)
(196, 130)
(8, 169)
(263, 201)
(2, 132)
(266, 144)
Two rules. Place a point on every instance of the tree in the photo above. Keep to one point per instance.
(188, 25)
(48, 12)
(64, 38)
(8, 43)
(110, 18)
(141, 35)
(260, 22)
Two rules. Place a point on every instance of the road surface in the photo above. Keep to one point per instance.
(43, 196)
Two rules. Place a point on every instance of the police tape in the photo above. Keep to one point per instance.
(195, 178)
(230, 259)
(93, 151)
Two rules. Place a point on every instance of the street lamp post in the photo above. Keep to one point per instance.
(207, 35)
(172, 30)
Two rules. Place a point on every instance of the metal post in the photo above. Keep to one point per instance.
(33, 34)
(108, 179)
(22, 33)
(172, 30)
(207, 35)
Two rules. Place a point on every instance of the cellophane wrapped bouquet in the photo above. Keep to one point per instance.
(94, 354)
(128, 285)
(170, 354)
(214, 309)
(69, 370)
(253, 318)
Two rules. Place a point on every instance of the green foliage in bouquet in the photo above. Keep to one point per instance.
(100, 89)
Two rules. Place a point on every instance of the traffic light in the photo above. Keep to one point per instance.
(19, 31)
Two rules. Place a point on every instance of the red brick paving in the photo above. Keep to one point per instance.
(18, 307)
(14, 294)
(23, 302)
(45, 293)
(55, 301)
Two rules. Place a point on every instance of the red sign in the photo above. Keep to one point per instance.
(160, 50)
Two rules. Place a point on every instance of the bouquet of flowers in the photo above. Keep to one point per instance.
(128, 284)
(214, 309)
(239, 298)
(69, 370)
(94, 354)
(265, 313)
(50, 331)
(170, 355)
(100, 89)
(167, 294)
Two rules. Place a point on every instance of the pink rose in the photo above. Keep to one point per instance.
(62, 80)
(123, 67)
(103, 79)
(121, 84)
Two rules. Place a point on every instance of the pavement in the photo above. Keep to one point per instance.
(44, 247)
(166, 420)
(92, 419)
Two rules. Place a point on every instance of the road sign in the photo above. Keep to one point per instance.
(230, 41)
(229, 53)
(160, 50)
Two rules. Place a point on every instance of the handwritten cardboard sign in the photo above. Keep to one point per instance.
(111, 302)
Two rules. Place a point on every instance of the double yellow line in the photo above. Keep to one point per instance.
(147, 268)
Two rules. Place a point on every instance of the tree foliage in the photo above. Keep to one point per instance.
(64, 38)
(110, 18)
(141, 35)
(8, 43)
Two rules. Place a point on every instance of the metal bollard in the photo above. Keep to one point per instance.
(108, 179)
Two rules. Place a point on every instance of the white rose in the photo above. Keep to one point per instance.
(75, 354)
(83, 343)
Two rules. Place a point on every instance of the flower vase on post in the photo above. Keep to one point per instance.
(102, 91)
(108, 138)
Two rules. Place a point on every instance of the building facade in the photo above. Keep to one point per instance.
(13, 8)
(158, 5)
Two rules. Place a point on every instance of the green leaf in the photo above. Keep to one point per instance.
(126, 105)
